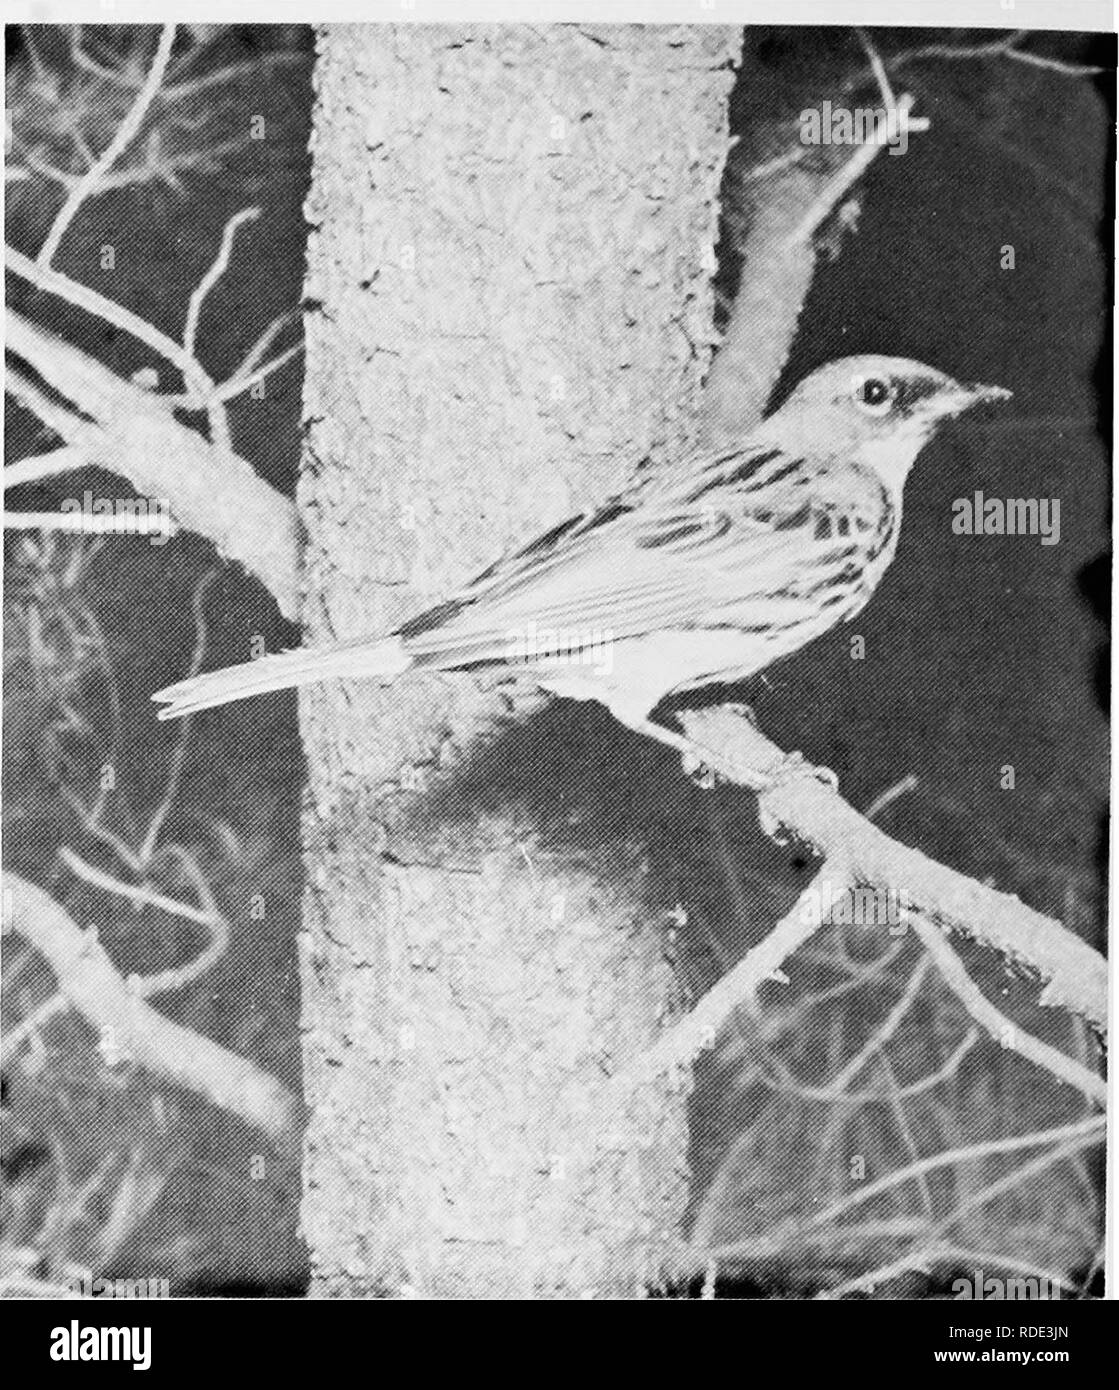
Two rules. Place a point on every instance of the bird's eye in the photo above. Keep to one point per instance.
(874, 395)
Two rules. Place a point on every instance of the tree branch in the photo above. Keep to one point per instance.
(127, 129)
(1075, 976)
(784, 204)
(90, 981)
(209, 489)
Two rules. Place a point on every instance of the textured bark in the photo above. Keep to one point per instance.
(509, 273)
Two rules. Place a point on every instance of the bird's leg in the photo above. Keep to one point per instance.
(697, 761)
(691, 755)
(792, 765)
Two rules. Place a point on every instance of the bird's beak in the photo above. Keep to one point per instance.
(960, 398)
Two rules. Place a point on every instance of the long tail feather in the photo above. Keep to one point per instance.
(387, 658)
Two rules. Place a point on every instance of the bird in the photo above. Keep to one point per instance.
(701, 573)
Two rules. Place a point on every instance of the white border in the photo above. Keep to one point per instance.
(1086, 16)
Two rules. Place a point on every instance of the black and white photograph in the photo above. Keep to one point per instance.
(556, 681)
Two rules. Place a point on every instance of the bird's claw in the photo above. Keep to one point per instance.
(828, 776)
(698, 772)
(795, 765)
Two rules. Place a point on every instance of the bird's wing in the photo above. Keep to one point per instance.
(734, 539)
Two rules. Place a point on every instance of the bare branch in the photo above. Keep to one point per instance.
(1037, 60)
(87, 185)
(82, 297)
(1008, 47)
(1008, 1034)
(890, 795)
(67, 458)
(238, 385)
(140, 895)
(788, 205)
(31, 1023)
(210, 490)
(213, 275)
(144, 896)
(1075, 974)
(88, 979)
(833, 1095)
(90, 525)
(898, 120)
(993, 49)
(684, 1042)
(1065, 1138)
(178, 756)
(886, 1029)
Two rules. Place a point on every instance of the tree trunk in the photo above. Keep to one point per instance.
(509, 278)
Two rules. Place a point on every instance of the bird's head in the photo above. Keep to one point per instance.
(878, 411)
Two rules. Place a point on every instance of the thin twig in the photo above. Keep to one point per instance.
(992, 49)
(907, 784)
(1020, 1176)
(219, 424)
(1006, 47)
(1036, 60)
(237, 386)
(1041, 1054)
(82, 297)
(157, 167)
(213, 275)
(91, 524)
(878, 68)
(933, 1249)
(178, 91)
(159, 815)
(898, 119)
(33, 1022)
(914, 1088)
(255, 354)
(1090, 1130)
(61, 419)
(178, 977)
(140, 894)
(67, 458)
(886, 1030)
(684, 1042)
(91, 824)
(125, 131)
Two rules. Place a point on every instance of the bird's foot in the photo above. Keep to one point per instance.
(743, 711)
(691, 756)
(700, 773)
(792, 767)
(697, 771)
(795, 765)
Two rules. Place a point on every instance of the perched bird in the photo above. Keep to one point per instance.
(705, 573)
